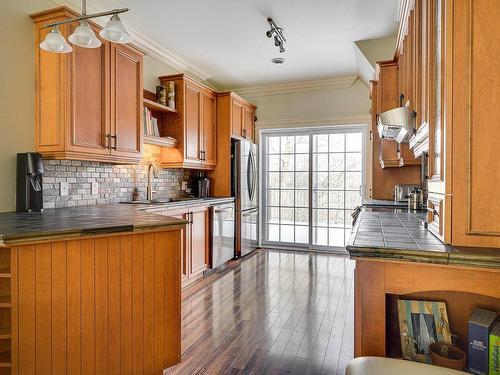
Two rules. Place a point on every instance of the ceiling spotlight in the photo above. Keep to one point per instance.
(84, 36)
(278, 61)
(279, 37)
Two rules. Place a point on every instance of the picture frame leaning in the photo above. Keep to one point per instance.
(422, 323)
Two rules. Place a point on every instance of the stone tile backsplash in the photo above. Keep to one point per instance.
(116, 183)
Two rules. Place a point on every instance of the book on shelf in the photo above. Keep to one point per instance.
(495, 349)
(480, 324)
(150, 123)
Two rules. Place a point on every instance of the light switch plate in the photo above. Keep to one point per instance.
(63, 188)
(95, 188)
(184, 185)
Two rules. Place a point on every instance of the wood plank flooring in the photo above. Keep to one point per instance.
(277, 312)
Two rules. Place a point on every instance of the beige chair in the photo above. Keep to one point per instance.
(391, 366)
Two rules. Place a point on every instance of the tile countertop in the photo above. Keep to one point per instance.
(395, 233)
(74, 222)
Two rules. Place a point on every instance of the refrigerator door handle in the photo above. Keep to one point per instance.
(250, 176)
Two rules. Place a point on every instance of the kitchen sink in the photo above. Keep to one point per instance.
(145, 201)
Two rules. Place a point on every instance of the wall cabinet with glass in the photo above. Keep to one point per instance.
(88, 103)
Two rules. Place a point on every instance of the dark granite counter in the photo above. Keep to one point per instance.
(74, 222)
(395, 233)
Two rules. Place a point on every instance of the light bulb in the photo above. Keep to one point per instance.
(84, 36)
(115, 32)
(55, 42)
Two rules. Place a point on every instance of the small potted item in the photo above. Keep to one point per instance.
(448, 356)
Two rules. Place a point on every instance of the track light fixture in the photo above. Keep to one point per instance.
(279, 37)
(84, 36)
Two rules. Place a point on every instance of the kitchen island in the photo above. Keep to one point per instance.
(398, 258)
(89, 290)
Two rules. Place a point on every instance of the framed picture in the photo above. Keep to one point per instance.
(422, 323)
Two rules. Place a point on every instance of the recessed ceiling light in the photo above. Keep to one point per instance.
(278, 61)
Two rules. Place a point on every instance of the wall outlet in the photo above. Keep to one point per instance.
(95, 188)
(184, 185)
(63, 189)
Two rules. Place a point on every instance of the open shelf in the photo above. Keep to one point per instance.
(5, 359)
(157, 107)
(159, 141)
(5, 301)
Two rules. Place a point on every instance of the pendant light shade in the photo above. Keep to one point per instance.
(55, 42)
(84, 36)
(115, 32)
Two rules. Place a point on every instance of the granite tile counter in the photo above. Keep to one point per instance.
(385, 232)
(75, 222)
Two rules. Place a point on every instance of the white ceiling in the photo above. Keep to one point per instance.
(225, 39)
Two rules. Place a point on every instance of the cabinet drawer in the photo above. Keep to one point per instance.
(438, 216)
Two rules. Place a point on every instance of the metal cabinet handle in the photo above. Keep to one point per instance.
(433, 210)
(115, 137)
(204, 157)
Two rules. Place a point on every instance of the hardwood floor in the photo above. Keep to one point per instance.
(276, 312)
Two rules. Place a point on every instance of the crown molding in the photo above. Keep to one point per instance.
(298, 87)
(311, 122)
(151, 47)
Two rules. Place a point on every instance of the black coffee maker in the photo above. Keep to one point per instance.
(202, 186)
(29, 195)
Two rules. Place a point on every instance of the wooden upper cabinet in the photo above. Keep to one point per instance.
(209, 125)
(472, 38)
(236, 118)
(90, 122)
(249, 123)
(87, 102)
(192, 133)
(126, 101)
(193, 126)
(234, 114)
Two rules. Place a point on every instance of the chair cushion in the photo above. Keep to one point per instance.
(391, 366)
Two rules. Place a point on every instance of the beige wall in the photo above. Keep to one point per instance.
(333, 107)
(18, 88)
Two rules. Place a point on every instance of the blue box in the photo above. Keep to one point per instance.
(480, 323)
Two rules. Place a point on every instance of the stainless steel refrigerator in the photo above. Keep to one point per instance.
(245, 187)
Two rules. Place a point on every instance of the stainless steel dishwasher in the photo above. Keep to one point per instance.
(222, 220)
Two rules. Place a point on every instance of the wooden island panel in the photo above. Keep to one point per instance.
(462, 287)
(102, 305)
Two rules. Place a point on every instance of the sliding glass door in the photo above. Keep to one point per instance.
(311, 180)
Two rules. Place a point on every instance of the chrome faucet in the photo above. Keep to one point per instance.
(149, 189)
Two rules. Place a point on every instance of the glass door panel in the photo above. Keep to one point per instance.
(313, 181)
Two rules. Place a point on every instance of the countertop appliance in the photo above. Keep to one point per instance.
(402, 192)
(222, 228)
(244, 187)
(29, 192)
(202, 186)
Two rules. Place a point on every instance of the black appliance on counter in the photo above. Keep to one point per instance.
(29, 192)
(202, 186)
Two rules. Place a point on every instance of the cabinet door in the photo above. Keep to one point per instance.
(248, 123)
(199, 221)
(126, 101)
(186, 241)
(89, 122)
(192, 123)
(236, 118)
(209, 128)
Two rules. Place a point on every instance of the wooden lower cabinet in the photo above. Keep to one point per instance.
(103, 305)
(195, 241)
